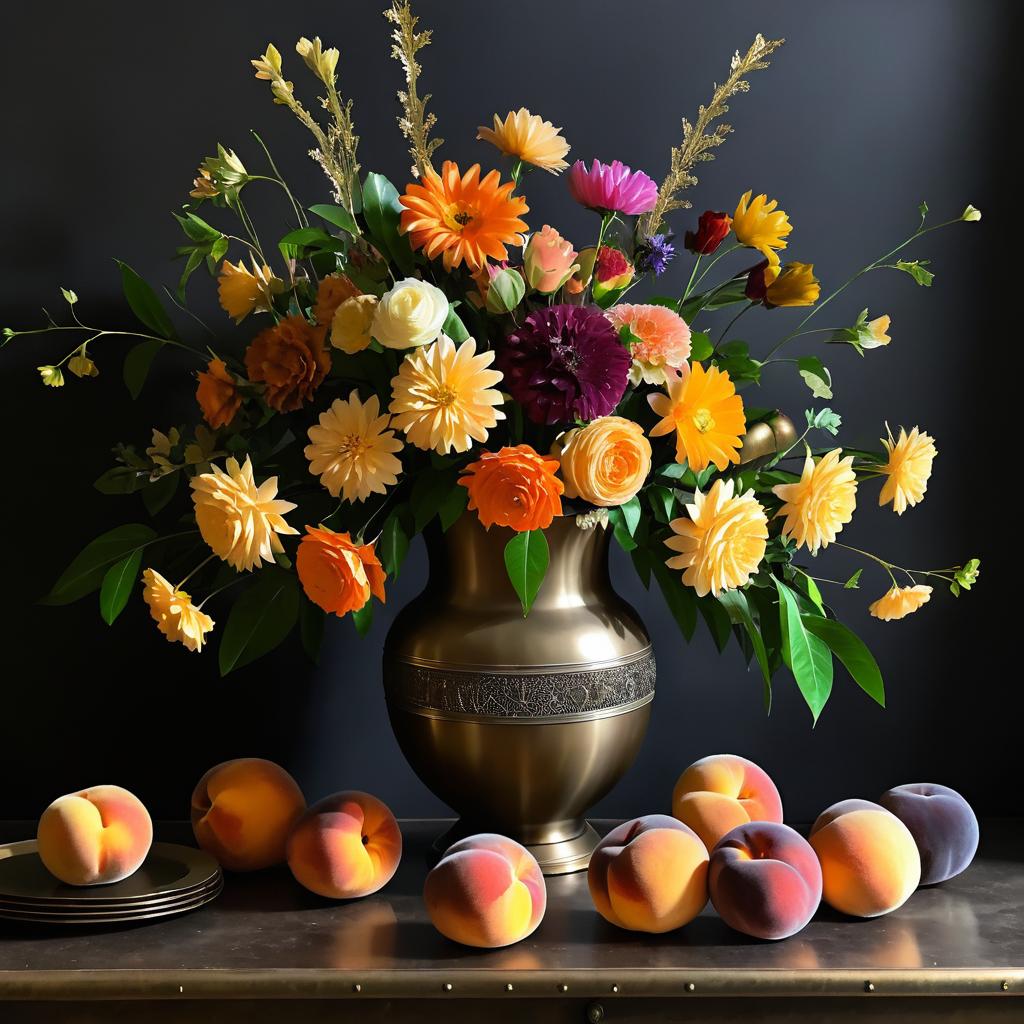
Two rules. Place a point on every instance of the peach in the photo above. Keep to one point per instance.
(346, 845)
(765, 880)
(243, 811)
(486, 891)
(649, 875)
(869, 861)
(942, 824)
(95, 836)
(717, 793)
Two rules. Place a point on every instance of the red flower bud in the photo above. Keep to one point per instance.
(757, 282)
(711, 231)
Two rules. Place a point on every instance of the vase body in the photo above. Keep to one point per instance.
(520, 723)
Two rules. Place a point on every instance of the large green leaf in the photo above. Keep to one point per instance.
(158, 494)
(453, 506)
(382, 212)
(852, 652)
(117, 585)
(137, 365)
(144, 302)
(336, 215)
(362, 618)
(260, 619)
(808, 658)
(454, 327)
(681, 600)
(393, 545)
(86, 572)
(429, 493)
(717, 619)
(631, 514)
(526, 561)
(735, 603)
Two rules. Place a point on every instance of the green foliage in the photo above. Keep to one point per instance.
(916, 269)
(965, 577)
(260, 619)
(526, 561)
(734, 357)
(816, 376)
(362, 618)
(823, 419)
(807, 656)
(851, 651)
(701, 346)
(336, 215)
(681, 600)
(454, 327)
(86, 572)
(137, 364)
(144, 302)
(738, 608)
(382, 211)
(853, 583)
(117, 586)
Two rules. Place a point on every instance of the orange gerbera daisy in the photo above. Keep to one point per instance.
(461, 217)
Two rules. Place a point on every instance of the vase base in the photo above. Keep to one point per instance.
(561, 857)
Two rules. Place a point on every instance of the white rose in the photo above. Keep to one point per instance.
(410, 315)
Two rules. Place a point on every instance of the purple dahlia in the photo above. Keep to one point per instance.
(565, 363)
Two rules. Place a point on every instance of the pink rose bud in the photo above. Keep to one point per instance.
(548, 260)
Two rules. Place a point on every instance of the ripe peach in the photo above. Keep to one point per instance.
(486, 891)
(243, 810)
(717, 793)
(346, 845)
(765, 880)
(869, 861)
(649, 875)
(95, 836)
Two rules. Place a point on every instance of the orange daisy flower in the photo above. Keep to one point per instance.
(461, 218)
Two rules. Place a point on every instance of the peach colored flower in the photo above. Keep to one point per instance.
(821, 502)
(606, 462)
(528, 137)
(291, 360)
(217, 394)
(242, 292)
(351, 328)
(548, 260)
(337, 574)
(663, 340)
(514, 487)
(174, 613)
(899, 602)
(908, 469)
(332, 291)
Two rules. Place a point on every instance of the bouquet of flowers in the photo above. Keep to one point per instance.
(423, 354)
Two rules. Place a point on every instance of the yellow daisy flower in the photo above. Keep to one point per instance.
(821, 502)
(176, 616)
(760, 225)
(908, 469)
(899, 602)
(528, 137)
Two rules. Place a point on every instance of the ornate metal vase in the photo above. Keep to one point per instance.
(520, 724)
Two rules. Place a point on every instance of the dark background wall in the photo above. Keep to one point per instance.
(869, 108)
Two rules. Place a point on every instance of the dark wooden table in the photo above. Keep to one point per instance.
(267, 950)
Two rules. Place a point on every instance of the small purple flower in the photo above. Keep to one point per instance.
(565, 363)
(612, 188)
(655, 254)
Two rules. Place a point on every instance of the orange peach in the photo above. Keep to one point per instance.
(486, 891)
(719, 792)
(869, 861)
(95, 836)
(649, 875)
(243, 811)
(346, 845)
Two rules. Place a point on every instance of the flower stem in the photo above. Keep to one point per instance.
(689, 284)
(208, 558)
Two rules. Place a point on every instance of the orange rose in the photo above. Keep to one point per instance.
(606, 462)
(291, 360)
(217, 395)
(515, 487)
(336, 574)
(333, 291)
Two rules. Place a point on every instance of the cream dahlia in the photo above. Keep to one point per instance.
(528, 137)
(908, 469)
(176, 616)
(821, 502)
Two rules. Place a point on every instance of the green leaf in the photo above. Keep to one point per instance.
(823, 419)
(137, 365)
(144, 302)
(336, 215)
(526, 561)
(643, 562)
(701, 346)
(663, 502)
(86, 572)
(815, 376)
(631, 514)
(717, 619)
(382, 212)
(808, 658)
(967, 575)
(197, 229)
(621, 531)
(453, 506)
(393, 545)
(69, 296)
(121, 480)
(260, 619)
(852, 652)
(853, 583)
(454, 327)
(734, 357)
(915, 268)
(362, 618)
(429, 492)
(312, 620)
(157, 494)
(735, 603)
(117, 585)
(681, 600)
(505, 292)
(313, 238)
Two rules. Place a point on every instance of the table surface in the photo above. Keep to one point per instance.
(266, 936)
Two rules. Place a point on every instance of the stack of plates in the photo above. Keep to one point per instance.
(172, 880)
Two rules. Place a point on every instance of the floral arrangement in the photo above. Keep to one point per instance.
(411, 356)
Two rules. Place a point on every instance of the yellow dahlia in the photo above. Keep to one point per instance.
(239, 520)
(528, 137)
(821, 502)
(899, 602)
(760, 225)
(462, 218)
(702, 407)
(723, 541)
(242, 292)
(175, 614)
(352, 450)
(444, 396)
(908, 469)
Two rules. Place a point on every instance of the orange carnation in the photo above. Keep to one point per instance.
(336, 574)
(217, 395)
(291, 360)
(514, 487)
(333, 291)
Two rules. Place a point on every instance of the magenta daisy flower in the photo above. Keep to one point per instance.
(565, 363)
(612, 188)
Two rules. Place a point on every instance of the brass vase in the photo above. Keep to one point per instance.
(520, 724)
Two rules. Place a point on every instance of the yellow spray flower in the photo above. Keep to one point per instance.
(702, 407)
(237, 518)
(760, 225)
(723, 541)
(352, 323)
(269, 69)
(908, 469)
(899, 602)
(241, 292)
(794, 285)
(176, 616)
(352, 451)
(821, 502)
(52, 376)
(444, 396)
(320, 61)
(81, 365)
(528, 137)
